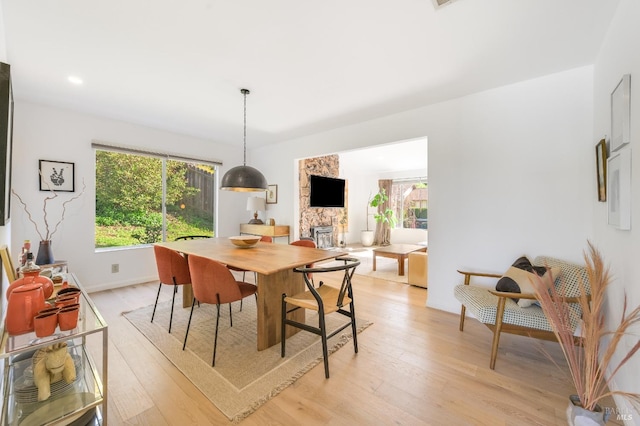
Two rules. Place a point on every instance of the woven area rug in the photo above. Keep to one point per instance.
(243, 378)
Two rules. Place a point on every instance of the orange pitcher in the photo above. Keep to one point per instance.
(24, 303)
(47, 284)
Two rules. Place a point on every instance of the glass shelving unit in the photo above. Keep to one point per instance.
(84, 400)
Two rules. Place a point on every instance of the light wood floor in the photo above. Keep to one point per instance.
(413, 368)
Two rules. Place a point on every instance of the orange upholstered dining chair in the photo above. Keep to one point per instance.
(173, 270)
(305, 243)
(213, 283)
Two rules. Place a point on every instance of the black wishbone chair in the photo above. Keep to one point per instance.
(325, 300)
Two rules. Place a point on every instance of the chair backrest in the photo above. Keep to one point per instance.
(192, 237)
(570, 276)
(172, 266)
(349, 267)
(568, 282)
(304, 243)
(7, 264)
(266, 239)
(211, 279)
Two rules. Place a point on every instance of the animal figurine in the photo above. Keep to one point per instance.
(50, 365)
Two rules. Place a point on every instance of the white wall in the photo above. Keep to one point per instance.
(620, 54)
(42, 132)
(509, 173)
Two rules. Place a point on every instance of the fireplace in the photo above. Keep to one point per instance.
(323, 236)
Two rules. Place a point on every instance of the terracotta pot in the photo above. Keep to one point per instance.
(48, 308)
(47, 284)
(24, 303)
(45, 324)
(68, 290)
(66, 300)
(68, 317)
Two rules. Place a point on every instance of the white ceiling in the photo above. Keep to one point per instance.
(310, 66)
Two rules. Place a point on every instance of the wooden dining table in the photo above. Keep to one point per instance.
(273, 264)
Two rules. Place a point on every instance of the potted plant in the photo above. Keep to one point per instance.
(367, 235)
(384, 215)
(588, 364)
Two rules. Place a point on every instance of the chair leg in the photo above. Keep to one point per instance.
(215, 340)
(173, 301)
(283, 337)
(156, 304)
(184, 345)
(496, 332)
(325, 352)
(354, 330)
(231, 315)
(462, 313)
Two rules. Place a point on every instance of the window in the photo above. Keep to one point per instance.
(143, 199)
(409, 199)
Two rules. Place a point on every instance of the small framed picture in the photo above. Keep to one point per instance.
(272, 194)
(57, 176)
(620, 113)
(619, 189)
(601, 169)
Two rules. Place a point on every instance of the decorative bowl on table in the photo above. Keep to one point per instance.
(245, 241)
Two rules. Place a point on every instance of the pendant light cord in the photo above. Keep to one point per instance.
(245, 92)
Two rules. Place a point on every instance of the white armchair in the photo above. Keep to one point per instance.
(487, 304)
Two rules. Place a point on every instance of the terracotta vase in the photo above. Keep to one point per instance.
(45, 255)
(578, 416)
(45, 323)
(68, 317)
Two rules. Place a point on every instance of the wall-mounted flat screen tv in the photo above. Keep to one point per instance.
(326, 191)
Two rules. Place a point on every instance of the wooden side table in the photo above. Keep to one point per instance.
(397, 251)
(274, 231)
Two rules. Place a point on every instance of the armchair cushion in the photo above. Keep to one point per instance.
(484, 307)
(518, 279)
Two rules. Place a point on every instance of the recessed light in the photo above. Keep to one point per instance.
(75, 80)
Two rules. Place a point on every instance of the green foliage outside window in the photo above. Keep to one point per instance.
(129, 200)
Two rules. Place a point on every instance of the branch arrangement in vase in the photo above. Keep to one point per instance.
(48, 234)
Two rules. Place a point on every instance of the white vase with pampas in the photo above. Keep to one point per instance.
(592, 368)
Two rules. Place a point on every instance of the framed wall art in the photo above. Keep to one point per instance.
(620, 113)
(6, 142)
(272, 194)
(619, 189)
(57, 176)
(601, 169)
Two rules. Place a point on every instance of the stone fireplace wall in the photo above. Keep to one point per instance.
(328, 166)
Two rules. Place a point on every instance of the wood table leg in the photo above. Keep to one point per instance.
(270, 289)
(401, 264)
(374, 260)
(187, 296)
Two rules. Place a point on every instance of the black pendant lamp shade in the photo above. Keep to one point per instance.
(244, 178)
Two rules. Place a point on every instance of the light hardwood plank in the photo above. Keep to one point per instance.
(413, 368)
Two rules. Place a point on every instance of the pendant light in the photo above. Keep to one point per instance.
(244, 178)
